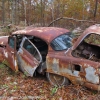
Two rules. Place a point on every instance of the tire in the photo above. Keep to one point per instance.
(57, 80)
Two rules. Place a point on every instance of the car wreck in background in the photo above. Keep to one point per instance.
(50, 50)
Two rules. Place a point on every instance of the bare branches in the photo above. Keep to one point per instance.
(70, 19)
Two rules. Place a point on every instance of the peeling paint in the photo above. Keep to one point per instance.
(91, 76)
(5, 54)
(68, 71)
(76, 73)
(26, 67)
(55, 65)
(20, 50)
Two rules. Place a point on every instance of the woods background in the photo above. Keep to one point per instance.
(42, 12)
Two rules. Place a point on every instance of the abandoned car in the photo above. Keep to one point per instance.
(50, 50)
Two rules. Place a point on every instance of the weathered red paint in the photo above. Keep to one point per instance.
(3, 40)
(45, 33)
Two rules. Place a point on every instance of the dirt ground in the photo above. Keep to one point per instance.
(17, 86)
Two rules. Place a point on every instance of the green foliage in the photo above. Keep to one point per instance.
(25, 75)
(2, 65)
(54, 90)
(15, 87)
(5, 86)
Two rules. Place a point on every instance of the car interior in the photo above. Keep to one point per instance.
(89, 48)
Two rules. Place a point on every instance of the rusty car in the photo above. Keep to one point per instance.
(51, 50)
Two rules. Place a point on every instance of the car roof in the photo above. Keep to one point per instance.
(92, 29)
(45, 33)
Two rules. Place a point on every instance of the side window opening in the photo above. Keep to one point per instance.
(89, 48)
(19, 40)
(41, 46)
(31, 49)
(38, 48)
(11, 42)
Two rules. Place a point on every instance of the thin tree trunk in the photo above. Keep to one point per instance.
(30, 12)
(15, 11)
(25, 10)
(83, 10)
(18, 13)
(53, 12)
(96, 5)
(41, 12)
(9, 9)
(3, 11)
(12, 11)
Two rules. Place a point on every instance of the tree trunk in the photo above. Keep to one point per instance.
(15, 11)
(25, 10)
(3, 11)
(95, 11)
(9, 10)
(41, 12)
(12, 6)
(18, 20)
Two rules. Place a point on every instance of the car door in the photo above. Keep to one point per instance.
(28, 56)
(10, 53)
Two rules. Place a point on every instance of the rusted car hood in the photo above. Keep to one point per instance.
(3, 40)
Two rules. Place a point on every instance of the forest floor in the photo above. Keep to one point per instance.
(17, 86)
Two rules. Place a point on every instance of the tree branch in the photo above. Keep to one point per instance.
(70, 19)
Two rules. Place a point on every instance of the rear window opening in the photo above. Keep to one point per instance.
(89, 48)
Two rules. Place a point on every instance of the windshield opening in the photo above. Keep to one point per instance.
(62, 42)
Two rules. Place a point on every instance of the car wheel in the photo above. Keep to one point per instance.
(57, 80)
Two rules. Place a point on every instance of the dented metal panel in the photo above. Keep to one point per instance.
(25, 66)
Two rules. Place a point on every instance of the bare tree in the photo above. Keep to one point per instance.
(12, 11)
(95, 11)
(3, 11)
(25, 10)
